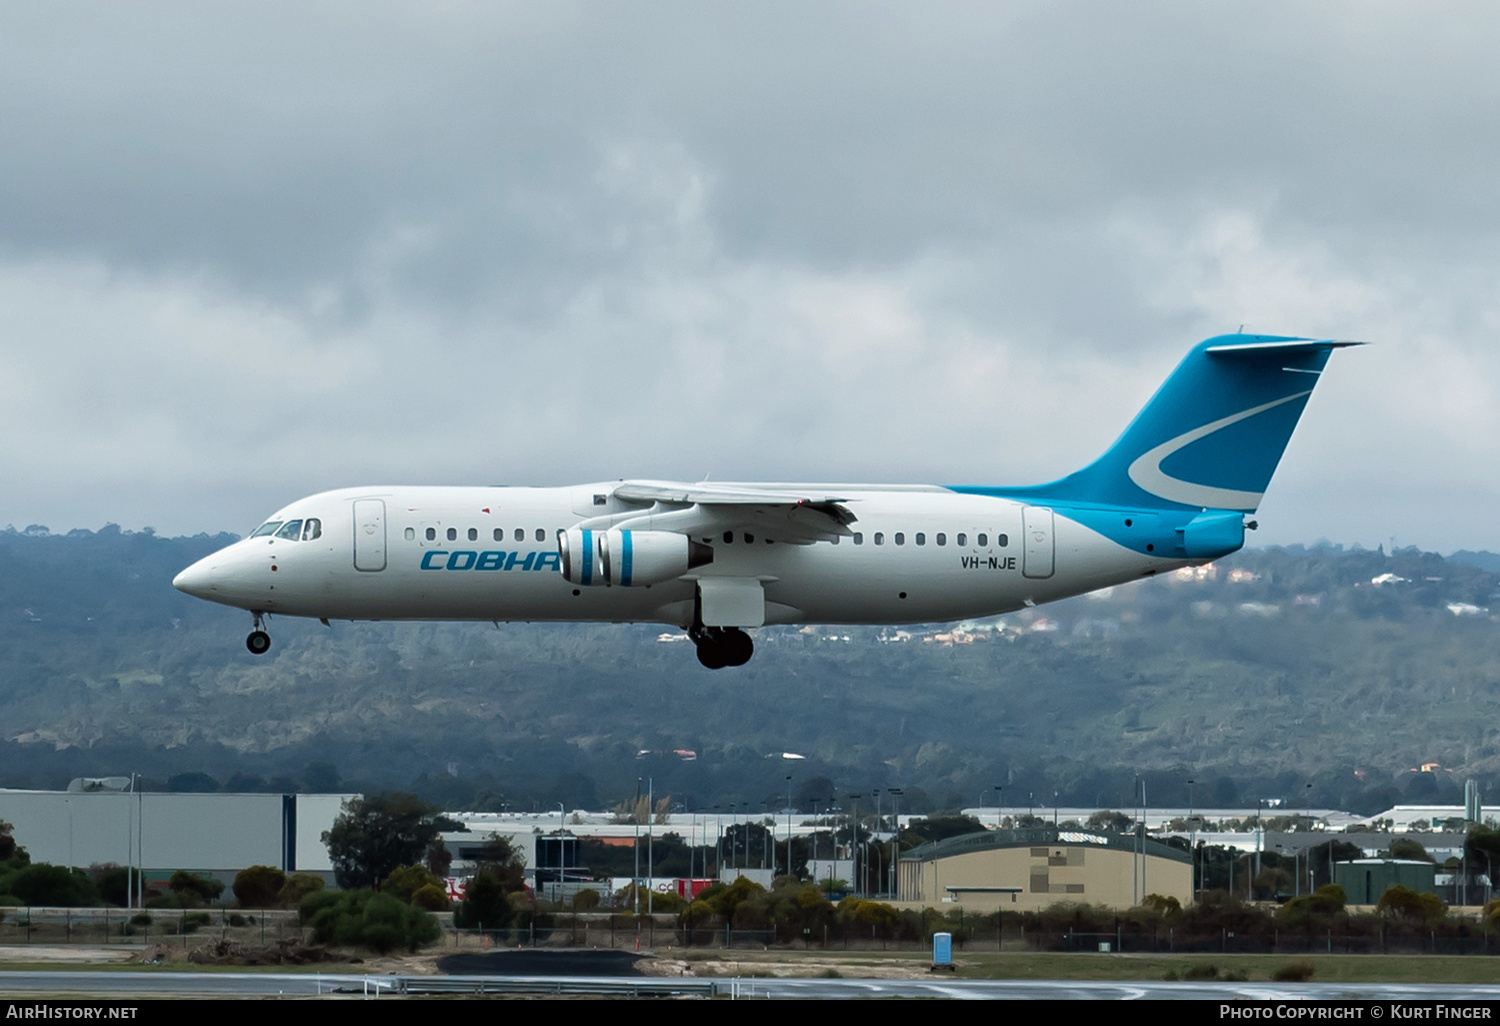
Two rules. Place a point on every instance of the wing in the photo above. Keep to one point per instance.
(790, 516)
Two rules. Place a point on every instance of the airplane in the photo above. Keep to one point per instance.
(1177, 489)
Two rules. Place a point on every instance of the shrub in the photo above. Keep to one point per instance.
(299, 886)
(485, 905)
(363, 918)
(259, 887)
(45, 884)
(431, 897)
(1294, 972)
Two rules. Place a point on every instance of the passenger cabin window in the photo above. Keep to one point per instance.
(453, 534)
(749, 538)
(269, 527)
(859, 538)
(834, 540)
(879, 537)
(292, 531)
(411, 534)
(541, 534)
(728, 537)
(1001, 540)
(432, 534)
(520, 534)
(983, 540)
(473, 534)
(942, 539)
(900, 538)
(963, 539)
(312, 529)
(921, 538)
(499, 534)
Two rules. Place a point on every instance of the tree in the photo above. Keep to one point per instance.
(46, 884)
(405, 882)
(8, 846)
(1110, 820)
(486, 905)
(1406, 848)
(190, 891)
(938, 828)
(259, 886)
(376, 835)
(299, 887)
(1403, 903)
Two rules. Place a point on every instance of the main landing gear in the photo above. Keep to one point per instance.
(259, 642)
(719, 647)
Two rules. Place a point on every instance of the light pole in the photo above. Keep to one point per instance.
(1192, 838)
(788, 824)
(635, 817)
(896, 793)
(854, 843)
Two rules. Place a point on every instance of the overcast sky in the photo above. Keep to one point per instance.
(253, 251)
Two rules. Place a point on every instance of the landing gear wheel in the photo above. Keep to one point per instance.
(737, 647)
(719, 647)
(711, 654)
(259, 642)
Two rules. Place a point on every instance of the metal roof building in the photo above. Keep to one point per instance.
(214, 834)
(1026, 870)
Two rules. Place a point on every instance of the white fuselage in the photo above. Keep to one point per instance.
(913, 555)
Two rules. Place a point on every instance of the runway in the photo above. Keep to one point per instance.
(119, 985)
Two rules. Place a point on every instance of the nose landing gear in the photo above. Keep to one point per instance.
(259, 642)
(719, 647)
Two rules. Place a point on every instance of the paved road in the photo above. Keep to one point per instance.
(123, 985)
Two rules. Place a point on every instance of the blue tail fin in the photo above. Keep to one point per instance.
(1211, 436)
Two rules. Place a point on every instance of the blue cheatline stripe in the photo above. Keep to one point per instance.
(587, 577)
(625, 558)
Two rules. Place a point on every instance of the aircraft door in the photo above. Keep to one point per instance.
(369, 534)
(1037, 557)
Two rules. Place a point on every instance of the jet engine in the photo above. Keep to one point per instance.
(628, 558)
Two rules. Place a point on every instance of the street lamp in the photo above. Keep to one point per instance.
(896, 794)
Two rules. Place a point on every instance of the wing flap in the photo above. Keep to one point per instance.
(790, 516)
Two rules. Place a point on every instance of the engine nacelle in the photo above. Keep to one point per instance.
(628, 558)
(578, 553)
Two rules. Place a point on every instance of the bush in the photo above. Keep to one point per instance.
(299, 886)
(586, 899)
(431, 897)
(485, 905)
(46, 884)
(259, 887)
(404, 883)
(1294, 972)
(365, 919)
(191, 891)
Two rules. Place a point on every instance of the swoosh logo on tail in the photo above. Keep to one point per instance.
(1147, 474)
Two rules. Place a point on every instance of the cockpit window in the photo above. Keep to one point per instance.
(312, 529)
(292, 531)
(269, 527)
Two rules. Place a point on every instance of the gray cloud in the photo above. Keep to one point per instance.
(251, 252)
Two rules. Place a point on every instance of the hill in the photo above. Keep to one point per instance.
(1276, 668)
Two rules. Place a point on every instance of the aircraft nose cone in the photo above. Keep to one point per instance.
(197, 580)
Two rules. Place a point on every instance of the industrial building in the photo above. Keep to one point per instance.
(1027, 870)
(209, 834)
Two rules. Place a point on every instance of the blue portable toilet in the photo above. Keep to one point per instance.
(942, 952)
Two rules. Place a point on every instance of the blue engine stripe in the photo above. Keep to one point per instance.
(587, 576)
(625, 544)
